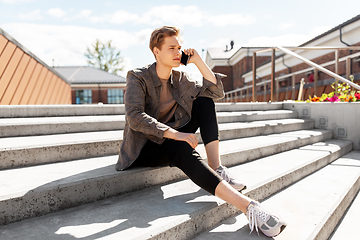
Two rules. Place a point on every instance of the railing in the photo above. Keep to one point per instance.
(274, 82)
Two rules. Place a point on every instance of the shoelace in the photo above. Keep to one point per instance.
(252, 213)
(225, 174)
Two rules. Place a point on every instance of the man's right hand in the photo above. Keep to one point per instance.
(190, 138)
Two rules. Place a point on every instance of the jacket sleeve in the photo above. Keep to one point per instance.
(135, 114)
(211, 90)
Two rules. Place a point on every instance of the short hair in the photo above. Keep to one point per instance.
(158, 35)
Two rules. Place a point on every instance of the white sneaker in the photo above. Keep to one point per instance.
(225, 174)
(268, 223)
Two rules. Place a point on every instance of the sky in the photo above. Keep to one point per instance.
(59, 32)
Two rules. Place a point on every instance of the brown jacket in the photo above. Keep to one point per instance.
(142, 98)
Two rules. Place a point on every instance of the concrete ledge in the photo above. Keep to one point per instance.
(340, 117)
(207, 218)
(349, 221)
(308, 205)
(258, 128)
(255, 115)
(31, 126)
(27, 151)
(81, 188)
(34, 150)
(258, 106)
(15, 127)
(261, 146)
(13, 111)
(60, 110)
(178, 210)
(67, 184)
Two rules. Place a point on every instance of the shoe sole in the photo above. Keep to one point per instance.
(281, 229)
(240, 190)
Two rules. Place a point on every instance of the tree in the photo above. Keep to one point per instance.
(105, 57)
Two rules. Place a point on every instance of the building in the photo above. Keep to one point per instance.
(238, 64)
(26, 80)
(91, 85)
(234, 64)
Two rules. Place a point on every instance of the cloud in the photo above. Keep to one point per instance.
(34, 15)
(169, 15)
(161, 15)
(220, 43)
(319, 30)
(16, 1)
(282, 40)
(191, 15)
(67, 44)
(85, 13)
(174, 15)
(285, 26)
(56, 12)
(231, 19)
(121, 17)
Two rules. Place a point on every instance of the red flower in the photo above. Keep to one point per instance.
(357, 95)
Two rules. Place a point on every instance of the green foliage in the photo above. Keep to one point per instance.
(104, 56)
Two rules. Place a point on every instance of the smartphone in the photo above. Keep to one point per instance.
(184, 58)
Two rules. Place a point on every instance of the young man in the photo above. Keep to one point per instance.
(164, 109)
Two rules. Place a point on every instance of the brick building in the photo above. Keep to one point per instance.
(91, 85)
(237, 64)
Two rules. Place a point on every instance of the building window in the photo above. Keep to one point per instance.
(83, 96)
(115, 96)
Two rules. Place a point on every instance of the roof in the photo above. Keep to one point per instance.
(219, 53)
(88, 75)
(17, 44)
(354, 19)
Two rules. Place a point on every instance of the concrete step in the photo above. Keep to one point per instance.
(246, 116)
(33, 150)
(179, 210)
(14, 127)
(312, 207)
(23, 111)
(256, 128)
(347, 226)
(109, 109)
(258, 106)
(35, 126)
(51, 187)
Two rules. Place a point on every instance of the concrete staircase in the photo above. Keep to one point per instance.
(58, 180)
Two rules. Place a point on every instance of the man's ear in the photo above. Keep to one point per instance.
(156, 51)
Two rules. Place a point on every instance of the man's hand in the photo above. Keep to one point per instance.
(187, 137)
(190, 138)
(200, 64)
(194, 55)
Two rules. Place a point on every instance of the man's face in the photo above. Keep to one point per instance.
(170, 52)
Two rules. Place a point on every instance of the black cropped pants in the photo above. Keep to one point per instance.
(180, 154)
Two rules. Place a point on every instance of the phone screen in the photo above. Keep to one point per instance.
(184, 58)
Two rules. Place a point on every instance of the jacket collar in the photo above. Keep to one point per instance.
(155, 77)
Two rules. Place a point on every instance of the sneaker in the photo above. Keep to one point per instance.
(268, 223)
(225, 174)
